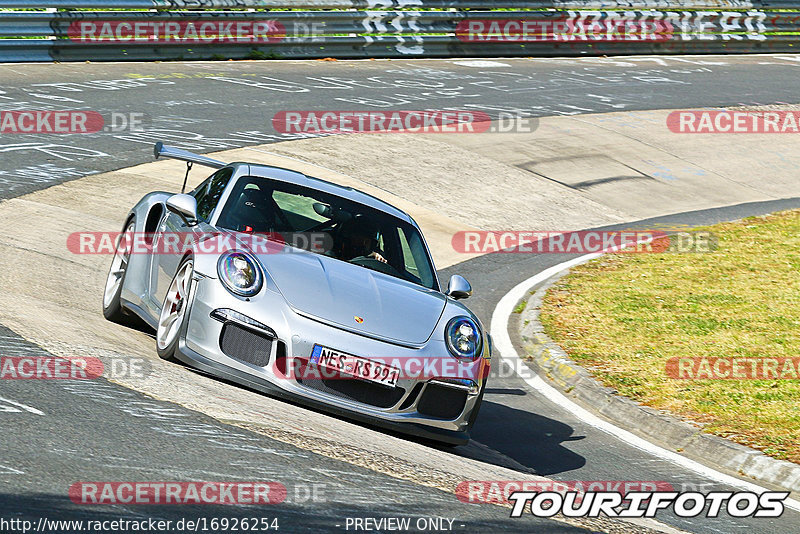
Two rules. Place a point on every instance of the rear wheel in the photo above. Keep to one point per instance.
(112, 306)
(173, 311)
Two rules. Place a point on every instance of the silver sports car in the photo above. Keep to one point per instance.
(303, 289)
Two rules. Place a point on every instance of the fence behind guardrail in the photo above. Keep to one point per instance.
(81, 30)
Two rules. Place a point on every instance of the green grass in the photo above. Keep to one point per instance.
(623, 316)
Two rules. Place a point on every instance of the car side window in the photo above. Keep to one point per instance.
(409, 262)
(199, 192)
(210, 191)
(415, 258)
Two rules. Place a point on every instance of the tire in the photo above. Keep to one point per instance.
(174, 311)
(112, 307)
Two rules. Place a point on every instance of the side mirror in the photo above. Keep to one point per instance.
(185, 206)
(458, 287)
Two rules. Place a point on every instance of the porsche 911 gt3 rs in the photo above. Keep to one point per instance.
(306, 290)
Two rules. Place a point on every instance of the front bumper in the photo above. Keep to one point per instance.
(294, 337)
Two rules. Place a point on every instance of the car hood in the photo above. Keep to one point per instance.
(343, 294)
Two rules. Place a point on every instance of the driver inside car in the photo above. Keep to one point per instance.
(358, 238)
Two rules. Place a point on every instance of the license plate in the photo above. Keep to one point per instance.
(355, 366)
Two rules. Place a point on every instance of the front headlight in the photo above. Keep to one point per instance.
(463, 338)
(239, 273)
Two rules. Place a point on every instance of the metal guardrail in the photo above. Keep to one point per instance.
(81, 30)
(485, 5)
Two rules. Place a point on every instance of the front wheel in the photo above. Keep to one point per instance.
(173, 311)
(112, 307)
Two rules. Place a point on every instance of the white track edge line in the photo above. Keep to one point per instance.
(508, 354)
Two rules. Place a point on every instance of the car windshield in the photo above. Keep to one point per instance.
(348, 231)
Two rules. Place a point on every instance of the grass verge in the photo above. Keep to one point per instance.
(623, 316)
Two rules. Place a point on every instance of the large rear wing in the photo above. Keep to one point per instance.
(176, 153)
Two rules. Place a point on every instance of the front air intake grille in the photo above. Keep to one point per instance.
(412, 397)
(442, 402)
(245, 345)
(352, 389)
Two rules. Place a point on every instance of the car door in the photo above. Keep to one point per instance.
(168, 257)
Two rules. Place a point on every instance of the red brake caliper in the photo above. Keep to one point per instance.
(176, 306)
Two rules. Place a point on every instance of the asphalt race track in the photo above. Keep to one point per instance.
(102, 431)
(217, 105)
(106, 432)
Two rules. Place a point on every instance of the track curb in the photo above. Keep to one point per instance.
(553, 364)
